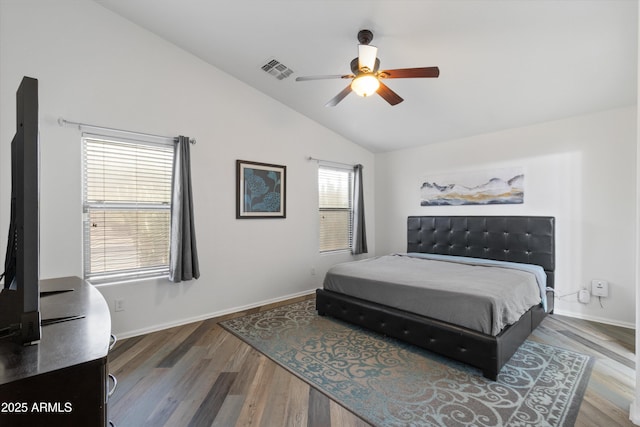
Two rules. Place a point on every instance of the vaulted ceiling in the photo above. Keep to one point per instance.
(503, 64)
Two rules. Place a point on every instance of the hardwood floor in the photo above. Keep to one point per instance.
(200, 375)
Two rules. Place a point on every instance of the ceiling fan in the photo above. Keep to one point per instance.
(367, 76)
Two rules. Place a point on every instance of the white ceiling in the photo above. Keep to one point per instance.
(503, 64)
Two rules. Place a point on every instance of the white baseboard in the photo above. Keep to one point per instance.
(180, 322)
(159, 327)
(594, 319)
(634, 413)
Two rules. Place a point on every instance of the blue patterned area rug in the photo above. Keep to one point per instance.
(389, 383)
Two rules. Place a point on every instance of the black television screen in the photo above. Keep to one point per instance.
(20, 296)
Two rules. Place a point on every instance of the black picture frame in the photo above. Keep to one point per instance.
(260, 190)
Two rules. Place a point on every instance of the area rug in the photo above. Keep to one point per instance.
(390, 383)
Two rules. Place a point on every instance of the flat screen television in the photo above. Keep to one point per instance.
(20, 296)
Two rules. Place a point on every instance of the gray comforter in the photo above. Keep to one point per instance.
(481, 298)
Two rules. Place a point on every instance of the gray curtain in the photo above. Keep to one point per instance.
(359, 244)
(183, 255)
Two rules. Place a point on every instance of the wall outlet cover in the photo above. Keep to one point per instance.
(584, 296)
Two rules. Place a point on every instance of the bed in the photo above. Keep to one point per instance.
(514, 239)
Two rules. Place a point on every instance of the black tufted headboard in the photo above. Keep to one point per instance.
(524, 239)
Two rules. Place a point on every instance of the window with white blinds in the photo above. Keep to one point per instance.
(335, 186)
(127, 207)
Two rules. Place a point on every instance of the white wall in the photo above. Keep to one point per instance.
(634, 409)
(581, 170)
(95, 67)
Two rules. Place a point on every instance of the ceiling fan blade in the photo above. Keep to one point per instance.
(390, 96)
(334, 76)
(339, 97)
(405, 73)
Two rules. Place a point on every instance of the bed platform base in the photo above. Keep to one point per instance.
(524, 239)
(485, 352)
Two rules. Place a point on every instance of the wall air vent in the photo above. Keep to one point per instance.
(277, 69)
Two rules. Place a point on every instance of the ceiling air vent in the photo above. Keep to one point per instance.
(277, 69)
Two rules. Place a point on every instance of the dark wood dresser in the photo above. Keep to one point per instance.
(62, 380)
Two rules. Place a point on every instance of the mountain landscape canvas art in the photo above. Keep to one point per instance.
(495, 187)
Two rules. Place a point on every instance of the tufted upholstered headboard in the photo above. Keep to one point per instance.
(524, 239)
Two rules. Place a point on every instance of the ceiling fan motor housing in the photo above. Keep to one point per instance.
(355, 66)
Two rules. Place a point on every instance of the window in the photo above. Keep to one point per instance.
(127, 207)
(335, 186)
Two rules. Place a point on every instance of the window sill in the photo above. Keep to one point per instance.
(336, 252)
(99, 283)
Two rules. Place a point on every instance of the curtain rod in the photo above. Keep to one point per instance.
(63, 122)
(330, 161)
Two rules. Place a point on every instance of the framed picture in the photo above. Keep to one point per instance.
(485, 187)
(261, 190)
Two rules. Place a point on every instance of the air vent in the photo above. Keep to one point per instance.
(277, 69)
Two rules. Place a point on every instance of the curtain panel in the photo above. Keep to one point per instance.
(183, 254)
(359, 240)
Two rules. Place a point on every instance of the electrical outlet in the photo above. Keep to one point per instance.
(118, 305)
(584, 296)
(313, 271)
(599, 288)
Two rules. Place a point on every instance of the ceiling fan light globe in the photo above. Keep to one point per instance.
(365, 84)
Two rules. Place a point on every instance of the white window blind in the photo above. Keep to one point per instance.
(127, 207)
(335, 208)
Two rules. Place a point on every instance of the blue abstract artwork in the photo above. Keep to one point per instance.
(261, 190)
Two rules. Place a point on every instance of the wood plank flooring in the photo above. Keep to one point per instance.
(200, 375)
